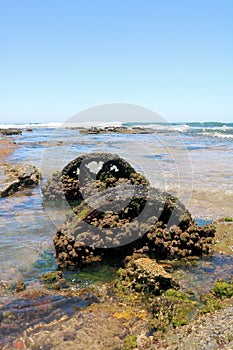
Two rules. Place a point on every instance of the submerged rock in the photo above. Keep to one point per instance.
(20, 177)
(118, 214)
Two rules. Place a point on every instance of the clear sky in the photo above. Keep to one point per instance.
(62, 56)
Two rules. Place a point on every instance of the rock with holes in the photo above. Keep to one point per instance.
(118, 214)
(89, 174)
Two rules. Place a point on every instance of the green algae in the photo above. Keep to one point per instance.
(83, 213)
(223, 289)
(51, 277)
(129, 343)
(97, 273)
(53, 280)
(211, 304)
(228, 219)
(173, 309)
(214, 300)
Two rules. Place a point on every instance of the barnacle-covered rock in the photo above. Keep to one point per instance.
(119, 214)
(145, 275)
(119, 222)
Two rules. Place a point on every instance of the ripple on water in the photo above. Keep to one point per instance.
(201, 275)
(26, 232)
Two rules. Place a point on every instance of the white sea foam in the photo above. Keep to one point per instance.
(84, 124)
(217, 134)
(30, 125)
(223, 131)
(91, 124)
(164, 127)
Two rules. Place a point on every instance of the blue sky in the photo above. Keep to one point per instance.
(60, 57)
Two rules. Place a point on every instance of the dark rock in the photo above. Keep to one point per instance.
(89, 174)
(121, 215)
(10, 131)
(20, 176)
(20, 287)
(117, 129)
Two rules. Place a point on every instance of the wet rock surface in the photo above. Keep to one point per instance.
(101, 318)
(20, 177)
(6, 148)
(118, 214)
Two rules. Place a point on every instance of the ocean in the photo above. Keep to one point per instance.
(190, 160)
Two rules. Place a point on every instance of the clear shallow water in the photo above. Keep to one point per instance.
(192, 161)
(201, 275)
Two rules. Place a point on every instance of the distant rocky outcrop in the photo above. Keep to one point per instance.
(116, 129)
(20, 177)
(11, 131)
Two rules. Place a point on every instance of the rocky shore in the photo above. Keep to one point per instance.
(103, 316)
(115, 286)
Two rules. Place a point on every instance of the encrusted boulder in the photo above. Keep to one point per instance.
(120, 214)
(116, 222)
(20, 177)
(146, 276)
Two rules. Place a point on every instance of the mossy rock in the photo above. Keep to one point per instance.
(173, 309)
(53, 279)
(129, 343)
(223, 289)
(214, 300)
(228, 219)
(212, 303)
